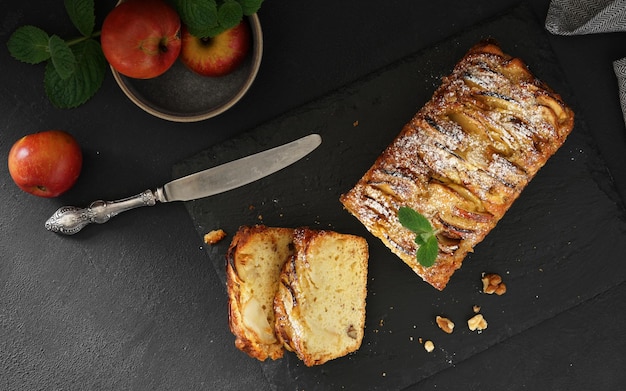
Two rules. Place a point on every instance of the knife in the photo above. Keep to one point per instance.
(69, 220)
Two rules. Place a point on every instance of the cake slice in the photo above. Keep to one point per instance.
(255, 259)
(320, 303)
(463, 159)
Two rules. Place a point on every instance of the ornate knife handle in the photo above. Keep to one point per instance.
(69, 220)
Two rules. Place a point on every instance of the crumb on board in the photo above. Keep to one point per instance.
(214, 236)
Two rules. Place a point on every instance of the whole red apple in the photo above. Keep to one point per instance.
(216, 56)
(45, 164)
(141, 38)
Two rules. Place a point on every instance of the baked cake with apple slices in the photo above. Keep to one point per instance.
(463, 159)
(254, 261)
(320, 303)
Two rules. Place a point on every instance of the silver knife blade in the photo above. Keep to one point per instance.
(239, 172)
(69, 220)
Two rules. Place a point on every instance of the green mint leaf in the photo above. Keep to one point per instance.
(61, 57)
(83, 83)
(413, 220)
(229, 14)
(422, 238)
(215, 31)
(29, 44)
(250, 6)
(82, 14)
(424, 235)
(427, 252)
(200, 16)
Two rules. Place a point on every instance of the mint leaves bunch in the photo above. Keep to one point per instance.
(424, 235)
(76, 68)
(208, 18)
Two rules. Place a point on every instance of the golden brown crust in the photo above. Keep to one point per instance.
(463, 159)
(284, 333)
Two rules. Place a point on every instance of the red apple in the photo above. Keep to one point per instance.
(45, 164)
(141, 38)
(217, 56)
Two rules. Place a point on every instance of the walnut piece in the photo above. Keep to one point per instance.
(445, 324)
(477, 322)
(429, 346)
(492, 283)
(214, 236)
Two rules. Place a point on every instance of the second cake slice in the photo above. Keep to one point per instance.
(320, 303)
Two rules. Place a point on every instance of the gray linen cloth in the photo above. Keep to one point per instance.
(572, 17)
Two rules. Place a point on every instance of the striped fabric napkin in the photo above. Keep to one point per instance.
(572, 17)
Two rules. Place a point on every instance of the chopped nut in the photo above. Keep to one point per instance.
(490, 289)
(494, 279)
(492, 283)
(477, 322)
(429, 346)
(445, 324)
(476, 309)
(214, 236)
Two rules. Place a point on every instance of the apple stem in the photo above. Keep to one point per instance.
(163, 46)
(206, 41)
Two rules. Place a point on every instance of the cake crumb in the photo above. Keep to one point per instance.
(214, 236)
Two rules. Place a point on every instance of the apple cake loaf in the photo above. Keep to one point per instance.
(463, 159)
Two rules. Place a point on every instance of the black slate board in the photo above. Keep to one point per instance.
(560, 244)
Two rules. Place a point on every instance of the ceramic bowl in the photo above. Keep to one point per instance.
(181, 95)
